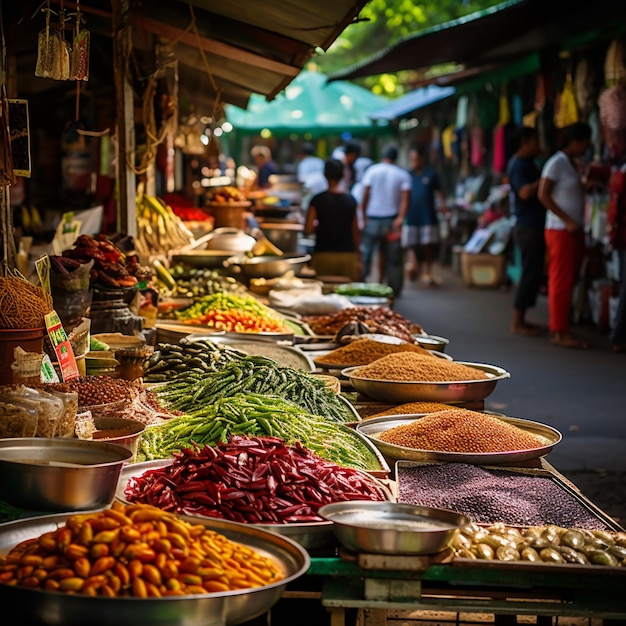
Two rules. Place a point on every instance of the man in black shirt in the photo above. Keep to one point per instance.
(524, 177)
(332, 217)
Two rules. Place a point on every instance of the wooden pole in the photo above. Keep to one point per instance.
(126, 219)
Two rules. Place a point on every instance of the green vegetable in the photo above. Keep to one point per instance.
(188, 392)
(375, 290)
(258, 415)
(97, 345)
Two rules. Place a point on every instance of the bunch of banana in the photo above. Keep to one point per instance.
(158, 228)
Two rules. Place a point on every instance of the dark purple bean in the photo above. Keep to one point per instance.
(490, 496)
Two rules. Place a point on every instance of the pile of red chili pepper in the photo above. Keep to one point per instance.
(257, 480)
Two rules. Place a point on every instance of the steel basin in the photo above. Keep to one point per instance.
(59, 474)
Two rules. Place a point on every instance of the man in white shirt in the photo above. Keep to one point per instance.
(310, 164)
(386, 190)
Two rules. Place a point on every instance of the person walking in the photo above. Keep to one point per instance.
(524, 177)
(420, 233)
(386, 190)
(332, 216)
(562, 194)
(262, 157)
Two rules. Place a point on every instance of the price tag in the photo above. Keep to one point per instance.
(42, 265)
(62, 347)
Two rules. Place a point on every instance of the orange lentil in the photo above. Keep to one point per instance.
(410, 367)
(364, 351)
(461, 430)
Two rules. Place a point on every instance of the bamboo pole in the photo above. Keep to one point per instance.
(126, 191)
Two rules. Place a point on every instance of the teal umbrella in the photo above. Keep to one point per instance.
(312, 105)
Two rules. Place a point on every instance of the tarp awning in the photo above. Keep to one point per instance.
(413, 101)
(310, 104)
(251, 47)
(512, 28)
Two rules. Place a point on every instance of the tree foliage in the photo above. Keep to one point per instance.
(386, 21)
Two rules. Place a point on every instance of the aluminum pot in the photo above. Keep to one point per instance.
(230, 239)
(59, 474)
(268, 266)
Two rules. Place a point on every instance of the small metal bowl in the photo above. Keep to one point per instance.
(399, 392)
(120, 431)
(390, 528)
(432, 342)
(59, 474)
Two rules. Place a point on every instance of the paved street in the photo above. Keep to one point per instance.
(581, 393)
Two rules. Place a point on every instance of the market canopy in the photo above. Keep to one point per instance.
(250, 47)
(310, 104)
(495, 35)
(413, 101)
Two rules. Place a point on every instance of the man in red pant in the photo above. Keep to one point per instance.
(561, 192)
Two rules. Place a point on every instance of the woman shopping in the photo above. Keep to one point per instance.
(561, 192)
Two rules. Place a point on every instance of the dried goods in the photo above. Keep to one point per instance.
(254, 480)
(233, 313)
(364, 351)
(258, 415)
(488, 496)
(460, 430)
(548, 544)
(137, 551)
(190, 391)
(97, 390)
(378, 320)
(412, 407)
(409, 367)
(202, 355)
(40, 410)
(22, 304)
(111, 267)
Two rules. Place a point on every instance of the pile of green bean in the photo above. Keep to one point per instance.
(190, 391)
(258, 415)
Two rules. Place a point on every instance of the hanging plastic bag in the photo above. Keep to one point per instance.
(80, 55)
(47, 50)
(568, 111)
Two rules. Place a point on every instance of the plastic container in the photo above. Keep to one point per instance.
(30, 339)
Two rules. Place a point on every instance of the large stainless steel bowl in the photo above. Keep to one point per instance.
(30, 607)
(372, 428)
(59, 474)
(390, 528)
(268, 266)
(448, 392)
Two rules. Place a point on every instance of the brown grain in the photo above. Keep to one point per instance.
(413, 407)
(461, 430)
(410, 367)
(364, 351)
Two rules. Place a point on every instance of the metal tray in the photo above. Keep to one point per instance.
(255, 347)
(36, 607)
(202, 329)
(563, 484)
(310, 535)
(448, 392)
(376, 425)
(431, 342)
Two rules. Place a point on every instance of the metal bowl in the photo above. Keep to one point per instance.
(36, 607)
(59, 474)
(372, 428)
(397, 392)
(268, 266)
(432, 342)
(120, 431)
(211, 259)
(389, 528)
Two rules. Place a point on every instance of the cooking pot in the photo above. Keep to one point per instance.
(227, 239)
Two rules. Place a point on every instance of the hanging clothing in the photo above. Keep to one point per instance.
(478, 150)
(499, 149)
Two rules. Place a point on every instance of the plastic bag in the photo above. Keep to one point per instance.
(80, 56)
